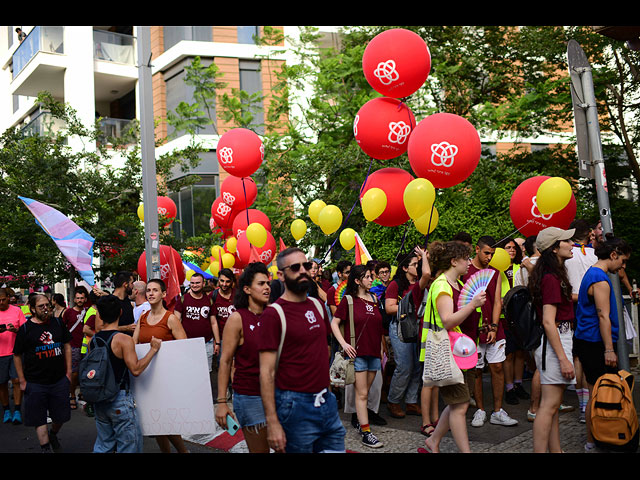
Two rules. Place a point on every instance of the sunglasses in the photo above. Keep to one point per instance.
(295, 267)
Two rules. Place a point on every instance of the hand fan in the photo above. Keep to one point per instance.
(340, 289)
(476, 283)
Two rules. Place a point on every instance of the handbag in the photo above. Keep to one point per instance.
(440, 368)
(343, 370)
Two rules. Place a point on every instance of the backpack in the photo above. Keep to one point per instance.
(614, 421)
(408, 319)
(386, 318)
(97, 379)
(522, 318)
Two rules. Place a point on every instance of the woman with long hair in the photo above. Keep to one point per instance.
(450, 261)
(551, 293)
(596, 335)
(367, 323)
(239, 351)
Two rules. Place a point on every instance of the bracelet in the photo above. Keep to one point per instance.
(494, 326)
(609, 351)
(220, 400)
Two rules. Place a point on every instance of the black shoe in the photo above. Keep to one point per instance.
(376, 419)
(511, 397)
(370, 440)
(521, 392)
(354, 421)
(53, 440)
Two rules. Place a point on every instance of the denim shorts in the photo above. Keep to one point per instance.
(40, 399)
(311, 421)
(367, 363)
(117, 426)
(248, 410)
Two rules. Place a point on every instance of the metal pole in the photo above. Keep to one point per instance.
(147, 144)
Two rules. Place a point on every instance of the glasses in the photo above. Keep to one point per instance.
(43, 307)
(384, 272)
(295, 267)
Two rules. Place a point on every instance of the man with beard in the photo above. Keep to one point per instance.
(123, 284)
(73, 319)
(193, 309)
(301, 412)
(222, 299)
(42, 357)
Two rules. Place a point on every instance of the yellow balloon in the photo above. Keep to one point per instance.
(500, 259)
(256, 234)
(553, 195)
(348, 238)
(418, 197)
(422, 223)
(315, 208)
(214, 268)
(228, 260)
(216, 251)
(373, 202)
(232, 244)
(141, 212)
(298, 229)
(330, 219)
(188, 274)
(273, 269)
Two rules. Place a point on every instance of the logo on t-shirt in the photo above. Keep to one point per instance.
(369, 308)
(46, 338)
(311, 318)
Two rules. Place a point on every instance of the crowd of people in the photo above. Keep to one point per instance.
(271, 340)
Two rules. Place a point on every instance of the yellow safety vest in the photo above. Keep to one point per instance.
(85, 340)
(504, 286)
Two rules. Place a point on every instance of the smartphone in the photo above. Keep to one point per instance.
(3, 327)
(232, 425)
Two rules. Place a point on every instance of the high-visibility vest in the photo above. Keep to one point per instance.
(26, 310)
(504, 283)
(85, 340)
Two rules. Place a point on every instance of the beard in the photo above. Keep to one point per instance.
(44, 317)
(298, 285)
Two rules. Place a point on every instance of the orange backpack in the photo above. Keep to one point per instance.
(614, 421)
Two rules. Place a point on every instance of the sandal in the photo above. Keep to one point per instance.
(428, 429)
(72, 403)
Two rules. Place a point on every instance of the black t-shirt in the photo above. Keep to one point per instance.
(126, 317)
(42, 348)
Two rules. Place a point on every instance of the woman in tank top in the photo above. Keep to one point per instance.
(164, 325)
(239, 351)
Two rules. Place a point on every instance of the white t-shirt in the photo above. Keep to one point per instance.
(521, 278)
(139, 310)
(578, 265)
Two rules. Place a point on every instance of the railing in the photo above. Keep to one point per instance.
(40, 39)
(43, 125)
(114, 47)
(113, 128)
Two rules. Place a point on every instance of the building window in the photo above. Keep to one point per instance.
(537, 147)
(174, 35)
(194, 207)
(251, 82)
(248, 35)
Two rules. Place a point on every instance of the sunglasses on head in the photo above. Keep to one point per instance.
(296, 266)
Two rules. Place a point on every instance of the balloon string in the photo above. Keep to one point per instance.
(245, 201)
(404, 236)
(512, 233)
(433, 206)
(344, 222)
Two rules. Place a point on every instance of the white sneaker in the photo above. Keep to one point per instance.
(479, 418)
(530, 416)
(502, 418)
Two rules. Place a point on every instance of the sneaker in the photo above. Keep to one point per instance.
(590, 448)
(376, 419)
(7, 416)
(479, 418)
(17, 417)
(472, 402)
(370, 440)
(354, 421)
(511, 397)
(583, 417)
(566, 408)
(521, 393)
(530, 416)
(502, 418)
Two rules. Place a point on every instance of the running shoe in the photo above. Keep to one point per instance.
(502, 418)
(479, 418)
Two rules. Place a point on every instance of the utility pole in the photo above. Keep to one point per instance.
(591, 163)
(147, 140)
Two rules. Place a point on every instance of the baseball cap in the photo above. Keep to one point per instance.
(464, 350)
(550, 235)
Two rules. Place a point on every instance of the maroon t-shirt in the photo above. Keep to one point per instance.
(304, 362)
(331, 296)
(367, 322)
(222, 308)
(195, 314)
(551, 291)
(470, 325)
(69, 318)
(246, 376)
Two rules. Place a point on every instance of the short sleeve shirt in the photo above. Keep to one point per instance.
(12, 315)
(195, 314)
(367, 322)
(485, 316)
(70, 318)
(222, 308)
(551, 291)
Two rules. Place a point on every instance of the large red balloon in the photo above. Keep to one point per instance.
(382, 128)
(166, 252)
(255, 216)
(445, 149)
(240, 152)
(525, 214)
(222, 214)
(167, 208)
(266, 253)
(392, 181)
(238, 193)
(396, 62)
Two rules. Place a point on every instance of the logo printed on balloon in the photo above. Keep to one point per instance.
(165, 270)
(162, 211)
(262, 151)
(223, 209)
(355, 125)
(265, 257)
(226, 155)
(399, 132)
(445, 152)
(386, 72)
(536, 213)
(228, 198)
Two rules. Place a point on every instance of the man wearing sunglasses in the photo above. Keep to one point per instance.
(302, 414)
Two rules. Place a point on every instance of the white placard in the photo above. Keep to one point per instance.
(173, 394)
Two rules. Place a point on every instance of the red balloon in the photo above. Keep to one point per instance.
(525, 214)
(238, 193)
(382, 128)
(222, 213)
(166, 252)
(240, 152)
(266, 253)
(396, 62)
(255, 216)
(167, 208)
(392, 181)
(445, 149)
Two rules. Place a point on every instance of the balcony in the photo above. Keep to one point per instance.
(43, 125)
(40, 39)
(114, 47)
(114, 128)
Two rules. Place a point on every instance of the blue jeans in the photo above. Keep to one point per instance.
(310, 421)
(118, 429)
(407, 377)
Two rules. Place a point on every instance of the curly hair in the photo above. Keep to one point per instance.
(441, 254)
(241, 299)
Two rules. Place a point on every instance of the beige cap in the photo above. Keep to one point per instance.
(547, 237)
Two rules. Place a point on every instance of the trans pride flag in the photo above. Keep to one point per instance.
(74, 243)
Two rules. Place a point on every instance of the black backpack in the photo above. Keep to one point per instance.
(408, 319)
(97, 379)
(522, 318)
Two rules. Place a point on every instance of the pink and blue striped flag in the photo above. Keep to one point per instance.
(74, 243)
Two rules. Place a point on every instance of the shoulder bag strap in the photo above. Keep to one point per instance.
(283, 321)
(352, 330)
